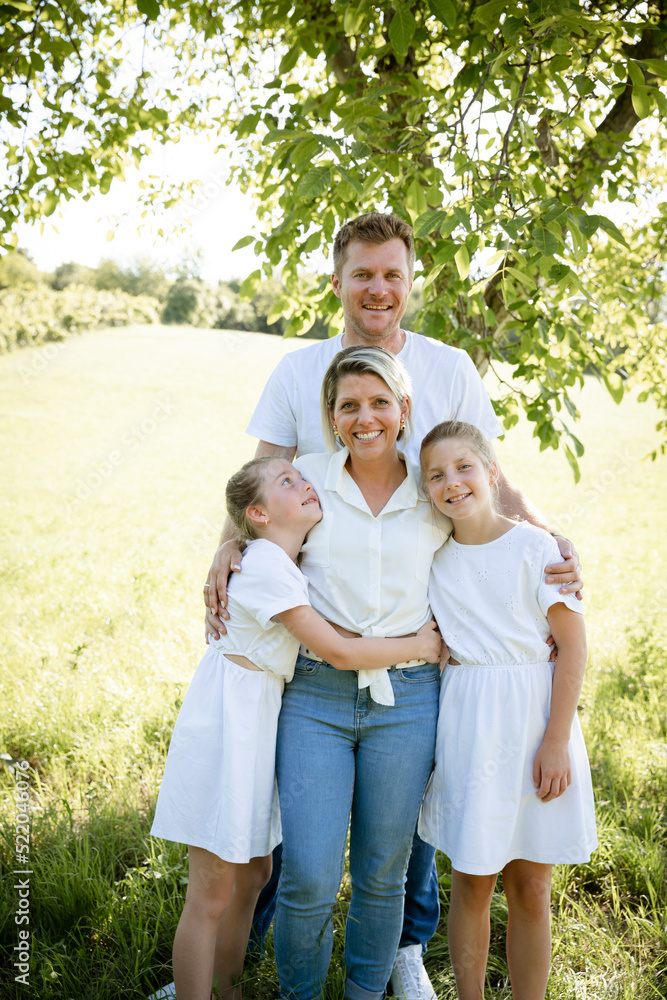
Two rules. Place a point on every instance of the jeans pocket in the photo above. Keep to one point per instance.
(306, 667)
(427, 673)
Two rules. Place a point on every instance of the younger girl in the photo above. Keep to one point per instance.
(511, 790)
(217, 794)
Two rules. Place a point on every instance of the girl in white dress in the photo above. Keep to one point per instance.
(218, 791)
(511, 791)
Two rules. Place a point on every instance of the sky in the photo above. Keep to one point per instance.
(217, 218)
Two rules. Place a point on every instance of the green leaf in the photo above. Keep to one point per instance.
(427, 222)
(588, 224)
(545, 241)
(313, 242)
(611, 228)
(353, 20)
(489, 13)
(304, 151)
(50, 203)
(512, 227)
(401, 29)
(558, 271)
(554, 213)
(511, 28)
(442, 257)
(641, 102)
(636, 73)
(521, 277)
(574, 464)
(249, 287)
(444, 11)
(285, 134)
(151, 8)
(615, 386)
(462, 260)
(315, 182)
(289, 60)
(559, 63)
(243, 242)
(657, 66)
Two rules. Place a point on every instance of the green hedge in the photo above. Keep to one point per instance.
(37, 314)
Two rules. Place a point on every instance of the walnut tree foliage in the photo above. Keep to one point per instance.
(524, 141)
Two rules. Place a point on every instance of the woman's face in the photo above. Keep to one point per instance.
(368, 416)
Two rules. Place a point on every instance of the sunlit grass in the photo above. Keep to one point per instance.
(115, 455)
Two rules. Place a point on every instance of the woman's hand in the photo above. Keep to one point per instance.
(552, 773)
(227, 560)
(430, 643)
(568, 572)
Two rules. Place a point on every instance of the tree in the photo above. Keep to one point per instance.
(17, 270)
(523, 140)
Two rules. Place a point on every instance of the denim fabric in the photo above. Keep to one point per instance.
(343, 759)
(421, 913)
(266, 905)
(422, 896)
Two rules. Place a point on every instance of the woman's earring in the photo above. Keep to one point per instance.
(335, 430)
(402, 427)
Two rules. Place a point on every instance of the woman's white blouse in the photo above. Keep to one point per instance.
(370, 574)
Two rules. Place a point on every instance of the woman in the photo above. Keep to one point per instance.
(354, 749)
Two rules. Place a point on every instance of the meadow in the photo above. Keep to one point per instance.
(116, 446)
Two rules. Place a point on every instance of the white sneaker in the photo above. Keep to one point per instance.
(409, 980)
(165, 993)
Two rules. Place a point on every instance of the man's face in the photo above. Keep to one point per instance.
(374, 286)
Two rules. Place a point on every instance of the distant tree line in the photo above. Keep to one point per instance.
(39, 306)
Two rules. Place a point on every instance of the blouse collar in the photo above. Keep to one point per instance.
(338, 480)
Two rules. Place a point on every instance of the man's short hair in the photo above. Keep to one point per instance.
(373, 227)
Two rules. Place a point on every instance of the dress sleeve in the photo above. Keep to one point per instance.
(274, 418)
(271, 585)
(548, 593)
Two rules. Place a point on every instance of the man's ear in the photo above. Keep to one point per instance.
(335, 282)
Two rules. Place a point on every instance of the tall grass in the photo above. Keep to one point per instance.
(116, 449)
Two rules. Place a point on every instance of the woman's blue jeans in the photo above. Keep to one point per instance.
(343, 759)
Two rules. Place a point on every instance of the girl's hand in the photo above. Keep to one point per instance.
(551, 769)
(430, 642)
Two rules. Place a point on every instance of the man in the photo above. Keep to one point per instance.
(373, 275)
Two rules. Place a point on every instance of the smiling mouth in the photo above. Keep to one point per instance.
(459, 497)
(376, 308)
(371, 436)
(310, 500)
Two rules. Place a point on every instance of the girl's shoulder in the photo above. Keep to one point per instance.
(269, 581)
(263, 562)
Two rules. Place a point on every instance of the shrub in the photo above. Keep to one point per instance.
(38, 314)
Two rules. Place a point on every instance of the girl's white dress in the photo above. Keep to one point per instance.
(218, 791)
(480, 807)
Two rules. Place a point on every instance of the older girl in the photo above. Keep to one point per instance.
(217, 794)
(511, 790)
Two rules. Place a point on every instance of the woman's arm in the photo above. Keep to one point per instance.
(551, 767)
(359, 654)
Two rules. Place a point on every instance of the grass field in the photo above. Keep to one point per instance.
(116, 447)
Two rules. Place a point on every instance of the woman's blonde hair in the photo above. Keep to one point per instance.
(246, 489)
(365, 361)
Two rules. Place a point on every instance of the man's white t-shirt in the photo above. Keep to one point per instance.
(445, 386)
